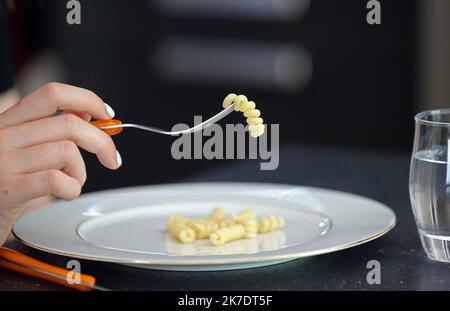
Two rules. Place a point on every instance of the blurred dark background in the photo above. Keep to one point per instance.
(315, 67)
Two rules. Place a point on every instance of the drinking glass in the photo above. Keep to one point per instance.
(429, 182)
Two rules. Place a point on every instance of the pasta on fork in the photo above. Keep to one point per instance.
(242, 104)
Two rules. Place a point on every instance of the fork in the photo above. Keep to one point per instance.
(114, 126)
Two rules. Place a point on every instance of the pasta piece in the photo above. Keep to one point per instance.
(220, 230)
(179, 230)
(227, 222)
(203, 228)
(247, 214)
(175, 218)
(216, 215)
(251, 228)
(253, 115)
(227, 234)
(244, 215)
(229, 99)
(270, 224)
(256, 130)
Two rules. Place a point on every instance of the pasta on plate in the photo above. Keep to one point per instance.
(219, 229)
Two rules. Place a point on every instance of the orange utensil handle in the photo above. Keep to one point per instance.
(110, 132)
(16, 261)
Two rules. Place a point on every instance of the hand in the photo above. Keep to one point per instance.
(39, 152)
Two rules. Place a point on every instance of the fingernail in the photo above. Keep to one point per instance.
(110, 111)
(118, 159)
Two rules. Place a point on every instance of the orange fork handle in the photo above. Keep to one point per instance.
(16, 261)
(110, 132)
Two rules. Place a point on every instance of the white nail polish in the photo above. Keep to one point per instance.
(118, 159)
(110, 111)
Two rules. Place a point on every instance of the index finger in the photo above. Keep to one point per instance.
(53, 97)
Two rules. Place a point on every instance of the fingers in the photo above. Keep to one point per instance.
(62, 127)
(39, 152)
(53, 97)
(83, 115)
(62, 155)
(38, 184)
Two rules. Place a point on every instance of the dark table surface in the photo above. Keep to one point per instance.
(382, 176)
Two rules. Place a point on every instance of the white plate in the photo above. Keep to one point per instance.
(127, 225)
